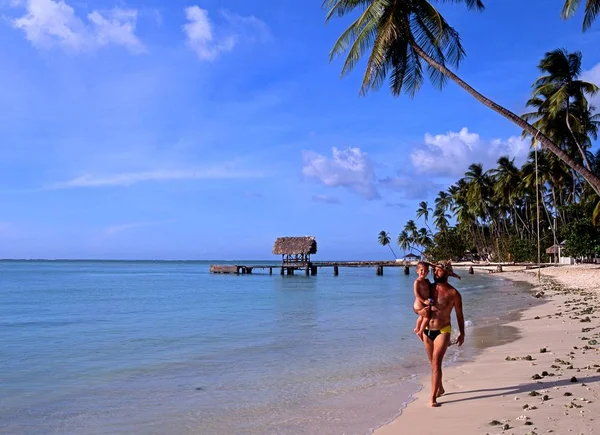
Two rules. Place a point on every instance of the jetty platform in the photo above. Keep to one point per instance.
(311, 268)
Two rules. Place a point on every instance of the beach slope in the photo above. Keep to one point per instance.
(547, 381)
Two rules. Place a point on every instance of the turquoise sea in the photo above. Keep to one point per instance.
(116, 347)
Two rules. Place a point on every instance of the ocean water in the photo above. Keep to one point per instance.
(92, 347)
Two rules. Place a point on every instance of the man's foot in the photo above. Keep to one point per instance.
(434, 404)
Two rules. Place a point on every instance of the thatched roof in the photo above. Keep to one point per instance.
(295, 245)
(411, 255)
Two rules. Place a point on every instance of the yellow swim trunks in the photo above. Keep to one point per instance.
(432, 334)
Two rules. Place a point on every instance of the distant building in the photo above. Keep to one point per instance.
(411, 257)
(295, 250)
(556, 254)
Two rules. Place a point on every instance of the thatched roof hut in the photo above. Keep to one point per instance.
(295, 246)
(295, 250)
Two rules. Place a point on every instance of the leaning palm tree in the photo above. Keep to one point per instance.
(560, 97)
(384, 240)
(403, 37)
(592, 9)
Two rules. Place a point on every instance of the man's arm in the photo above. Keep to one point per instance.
(460, 318)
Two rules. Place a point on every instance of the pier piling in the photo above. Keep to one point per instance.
(336, 271)
(406, 270)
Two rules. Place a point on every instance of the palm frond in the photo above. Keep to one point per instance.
(569, 8)
(471, 4)
(592, 9)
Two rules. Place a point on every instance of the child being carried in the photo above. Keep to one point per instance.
(422, 291)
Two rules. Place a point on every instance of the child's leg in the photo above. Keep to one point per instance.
(424, 323)
(418, 325)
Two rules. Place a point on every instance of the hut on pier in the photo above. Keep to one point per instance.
(295, 250)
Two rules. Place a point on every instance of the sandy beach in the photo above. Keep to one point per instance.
(546, 381)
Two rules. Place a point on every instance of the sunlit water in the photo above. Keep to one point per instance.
(165, 347)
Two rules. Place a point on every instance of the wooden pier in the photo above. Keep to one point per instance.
(309, 269)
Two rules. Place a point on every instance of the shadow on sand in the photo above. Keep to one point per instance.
(495, 392)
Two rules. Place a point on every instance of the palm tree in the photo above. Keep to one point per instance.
(401, 35)
(423, 212)
(442, 201)
(404, 240)
(411, 229)
(560, 97)
(384, 240)
(423, 238)
(441, 220)
(592, 8)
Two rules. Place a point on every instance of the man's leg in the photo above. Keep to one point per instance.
(439, 346)
(429, 346)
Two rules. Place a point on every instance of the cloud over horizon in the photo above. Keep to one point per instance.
(130, 178)
(452, 153)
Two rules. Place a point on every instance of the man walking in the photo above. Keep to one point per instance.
(437, 335)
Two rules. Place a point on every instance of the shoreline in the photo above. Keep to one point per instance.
(475, 398)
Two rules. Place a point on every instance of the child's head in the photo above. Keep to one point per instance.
(422, 268)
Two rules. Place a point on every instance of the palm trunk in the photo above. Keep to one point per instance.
(390, 246)
(592, 179)
(583, 154)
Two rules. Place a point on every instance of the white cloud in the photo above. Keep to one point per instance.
(325, 199)
(209, 41)
(130, 178)
(53, 22)
(451, 154)
(350, 168)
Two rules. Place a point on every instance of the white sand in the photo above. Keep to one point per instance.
(492, 388)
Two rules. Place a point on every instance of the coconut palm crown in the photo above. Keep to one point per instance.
(393, 30)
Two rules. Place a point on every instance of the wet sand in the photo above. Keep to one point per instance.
(542, 375)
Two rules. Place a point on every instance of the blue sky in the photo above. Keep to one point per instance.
(155, 129)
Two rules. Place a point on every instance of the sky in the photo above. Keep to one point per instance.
(154, 129)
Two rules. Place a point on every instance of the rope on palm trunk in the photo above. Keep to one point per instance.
(537, 203)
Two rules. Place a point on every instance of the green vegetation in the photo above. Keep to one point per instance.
(496, 212)
(404, 38)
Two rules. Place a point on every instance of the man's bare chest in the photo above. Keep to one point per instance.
(443, 300)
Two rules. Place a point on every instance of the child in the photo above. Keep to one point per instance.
(422, 291)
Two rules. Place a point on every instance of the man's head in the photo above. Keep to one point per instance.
(422, 269)
(442, 271)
